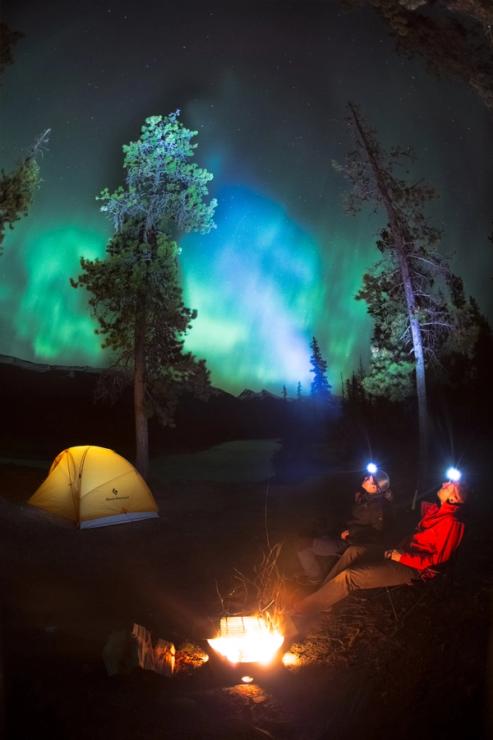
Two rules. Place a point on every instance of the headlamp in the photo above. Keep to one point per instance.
(371, 468)
(453, 474)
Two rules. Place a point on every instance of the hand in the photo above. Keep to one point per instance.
(345, 535)
(393, 555)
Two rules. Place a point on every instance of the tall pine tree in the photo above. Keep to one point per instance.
(409, 291)
(136, 292)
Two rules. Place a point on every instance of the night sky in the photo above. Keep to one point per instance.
(265, 84)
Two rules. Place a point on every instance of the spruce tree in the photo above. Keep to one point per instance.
(320, 387)
(136, 292)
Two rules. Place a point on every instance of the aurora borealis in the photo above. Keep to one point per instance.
(265, 85)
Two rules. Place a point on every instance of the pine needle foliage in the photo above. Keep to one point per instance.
(409, 292)
(454, 37)
(136, 292)
(18, 187)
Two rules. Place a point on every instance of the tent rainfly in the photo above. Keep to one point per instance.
(94, 487)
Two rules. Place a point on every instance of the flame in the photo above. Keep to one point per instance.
(290, 659)
(247, 640)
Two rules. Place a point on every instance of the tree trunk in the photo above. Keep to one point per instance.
(399, 239)
(419, 360)
(141, 424)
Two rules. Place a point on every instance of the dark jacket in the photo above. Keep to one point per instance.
(371, 514)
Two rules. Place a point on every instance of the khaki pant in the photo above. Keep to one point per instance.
(358, 567)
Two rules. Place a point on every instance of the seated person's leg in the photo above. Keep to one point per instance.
(350, 555)
(360, 575)
(309, 550)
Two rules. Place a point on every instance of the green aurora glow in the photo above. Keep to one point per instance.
(50, 320)
(254, 331)
(285, 262)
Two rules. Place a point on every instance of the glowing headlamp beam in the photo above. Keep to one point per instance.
(371, 468)
(453, 474)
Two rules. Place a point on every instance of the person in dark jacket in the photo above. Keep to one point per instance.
(369, 519)
(436, 537)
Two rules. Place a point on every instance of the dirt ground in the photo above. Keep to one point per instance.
(419, 665)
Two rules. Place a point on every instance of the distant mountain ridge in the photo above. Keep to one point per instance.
(41, 367)
(249, 395)
(47, 408)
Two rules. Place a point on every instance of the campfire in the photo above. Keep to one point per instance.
(252, 639)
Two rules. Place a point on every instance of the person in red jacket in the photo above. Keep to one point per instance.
(436, 537)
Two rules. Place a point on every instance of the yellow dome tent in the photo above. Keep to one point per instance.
(94, 487)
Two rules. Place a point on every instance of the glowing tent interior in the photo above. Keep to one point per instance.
(94, 487)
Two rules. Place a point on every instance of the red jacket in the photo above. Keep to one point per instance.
(436, 537)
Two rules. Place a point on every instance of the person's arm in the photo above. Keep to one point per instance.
(425, 507)
(449, 534)
(367, 524)
(354, 525)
